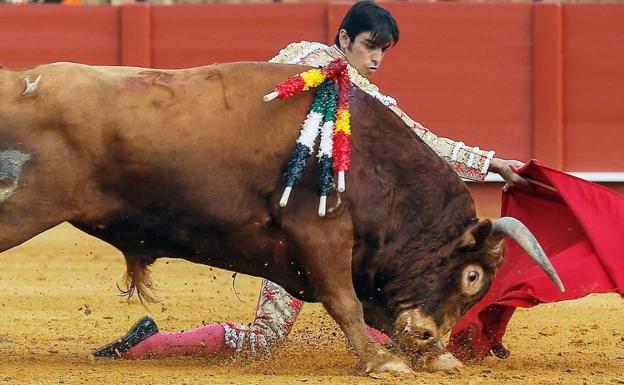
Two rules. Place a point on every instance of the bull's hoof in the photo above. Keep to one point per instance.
(436, 359)
(445, 362)
(384, 362)
(144, 328)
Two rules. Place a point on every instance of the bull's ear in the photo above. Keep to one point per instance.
(475, 234)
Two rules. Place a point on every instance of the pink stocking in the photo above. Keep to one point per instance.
(379, 336)
(204, 341)
(276, 313)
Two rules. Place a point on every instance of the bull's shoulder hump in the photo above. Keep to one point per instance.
(257, 72)
(262, 66)
(94, 70)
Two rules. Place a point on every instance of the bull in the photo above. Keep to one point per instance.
(187, 164)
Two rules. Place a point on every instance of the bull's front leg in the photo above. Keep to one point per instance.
(324, 248)
(344, 307)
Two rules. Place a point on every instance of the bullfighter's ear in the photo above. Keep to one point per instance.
(475, 234)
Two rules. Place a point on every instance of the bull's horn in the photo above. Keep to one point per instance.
(513, 228)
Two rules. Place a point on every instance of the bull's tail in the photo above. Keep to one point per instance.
(138, 279)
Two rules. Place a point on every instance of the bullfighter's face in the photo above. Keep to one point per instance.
(363, 53)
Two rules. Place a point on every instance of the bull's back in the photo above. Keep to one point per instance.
(211, 116)
(207, 131)
(201, 135)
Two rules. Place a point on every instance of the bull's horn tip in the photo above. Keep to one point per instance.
(560, 285)
(512, 227)
(270, 96)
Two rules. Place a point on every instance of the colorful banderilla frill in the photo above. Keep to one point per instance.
(328, 115)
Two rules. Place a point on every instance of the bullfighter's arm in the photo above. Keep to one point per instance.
(469, 162)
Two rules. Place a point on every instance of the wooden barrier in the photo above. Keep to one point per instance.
(35, 34)
(593, 60)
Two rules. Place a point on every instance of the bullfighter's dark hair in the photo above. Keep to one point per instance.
(365, 16)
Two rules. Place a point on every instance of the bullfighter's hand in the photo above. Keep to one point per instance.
(246, 338)
(507, 170)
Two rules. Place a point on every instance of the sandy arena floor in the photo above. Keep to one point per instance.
(59, 301)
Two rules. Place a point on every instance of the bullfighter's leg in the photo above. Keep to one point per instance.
(144, 340)
(324, 249)
(276, 313)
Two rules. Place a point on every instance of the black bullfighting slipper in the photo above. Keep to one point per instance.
(144, 328)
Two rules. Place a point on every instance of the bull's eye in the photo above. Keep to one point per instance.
(472, 279)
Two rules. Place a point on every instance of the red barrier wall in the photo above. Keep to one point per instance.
(31, 35)
(192, 35)
(594, 87)
(529, 80)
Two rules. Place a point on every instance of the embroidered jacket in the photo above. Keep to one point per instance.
(469, 162)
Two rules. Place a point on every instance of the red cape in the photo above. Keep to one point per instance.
(581, 228)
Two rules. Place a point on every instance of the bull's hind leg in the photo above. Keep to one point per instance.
(324, 247)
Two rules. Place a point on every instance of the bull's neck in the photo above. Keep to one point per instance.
(405, 201)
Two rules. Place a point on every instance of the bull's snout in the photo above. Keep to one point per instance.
(415, 330)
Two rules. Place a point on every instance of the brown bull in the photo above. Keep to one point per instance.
(188, 163)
